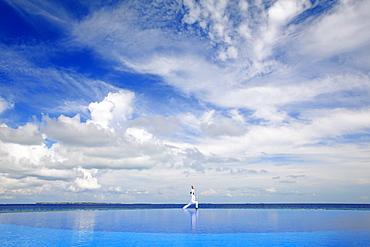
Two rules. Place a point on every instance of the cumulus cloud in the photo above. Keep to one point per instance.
(107, 116)
(90, 145)
(115, 109)
(71, 131)
(86, 181)
(79, 149)
(28, 134)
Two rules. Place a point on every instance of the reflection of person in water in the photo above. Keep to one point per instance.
(193, 216)
(192, 200)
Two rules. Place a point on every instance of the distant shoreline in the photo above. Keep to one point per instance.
(89, 206)
(144, 203)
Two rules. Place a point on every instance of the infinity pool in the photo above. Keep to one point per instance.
(177, 227)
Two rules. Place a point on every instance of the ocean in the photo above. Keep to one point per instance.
(170, 225)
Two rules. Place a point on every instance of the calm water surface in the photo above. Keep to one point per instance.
(177, 227)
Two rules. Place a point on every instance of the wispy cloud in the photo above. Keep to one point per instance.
(52, 11)
(341, 31)
(62, 88)
(232, 84)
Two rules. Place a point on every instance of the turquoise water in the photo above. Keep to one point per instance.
(12, 235)
(177, 227)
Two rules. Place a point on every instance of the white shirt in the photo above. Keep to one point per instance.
(192, 195)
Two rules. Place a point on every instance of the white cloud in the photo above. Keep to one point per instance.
(139, 134)
(213, 124)
(344, 29)
(86, 181)
(271, 190)
(271, 114)
(34, 83)
(293, 137)
(115, 109)
(115, 189)
(251, 42)
(211, 16)
(255, 97)
(71, 131)
(80, 150)
(123, 33)
(29, 186)
(91, 147)
(4, 105)
(51, 173)
(28, 134)
(281, 12)
(53, 11)
(222, 127)
(277, 16)
(190, 73)
(157, 124)
(210, 192)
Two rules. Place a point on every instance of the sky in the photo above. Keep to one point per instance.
(135, 101)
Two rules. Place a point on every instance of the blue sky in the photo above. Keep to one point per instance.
(134, 101)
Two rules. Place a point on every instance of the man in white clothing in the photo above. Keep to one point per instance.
(192, 200)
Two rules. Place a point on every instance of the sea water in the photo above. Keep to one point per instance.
(177, 227)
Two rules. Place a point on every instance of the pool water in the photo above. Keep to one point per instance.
(177, 227)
